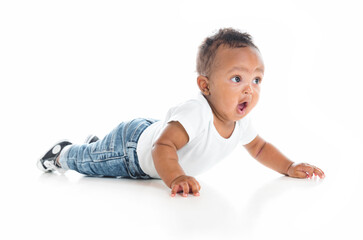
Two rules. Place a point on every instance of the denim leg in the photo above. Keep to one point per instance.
(105, 157)
(114, 155)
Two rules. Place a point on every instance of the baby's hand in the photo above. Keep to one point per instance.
(185, 184)
(304, 170)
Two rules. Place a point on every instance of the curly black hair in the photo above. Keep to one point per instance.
(229, 37)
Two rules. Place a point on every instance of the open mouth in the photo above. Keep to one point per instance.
(242, 107)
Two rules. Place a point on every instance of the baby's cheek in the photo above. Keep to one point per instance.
(253, 104)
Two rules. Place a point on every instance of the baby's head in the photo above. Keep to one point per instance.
(230, 70)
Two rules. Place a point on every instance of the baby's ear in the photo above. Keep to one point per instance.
(203, 84)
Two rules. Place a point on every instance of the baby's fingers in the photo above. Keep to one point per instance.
(311, 170)
(195, 188)
(185, 186)
(308, 169)
(175, 190)
(319, 172)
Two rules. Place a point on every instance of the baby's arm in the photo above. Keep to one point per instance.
(271, 157)
(166, 162)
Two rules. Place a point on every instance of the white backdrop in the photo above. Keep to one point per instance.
(70, 68)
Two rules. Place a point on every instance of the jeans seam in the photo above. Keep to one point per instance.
(134, 133)
(100, 152)
(112, 142)
(104, 160)
(124, 138)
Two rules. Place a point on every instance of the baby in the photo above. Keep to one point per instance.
(195, 135)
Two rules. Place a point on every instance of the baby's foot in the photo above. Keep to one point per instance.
(49, 162)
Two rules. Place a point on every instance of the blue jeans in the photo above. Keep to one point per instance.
(114, 155)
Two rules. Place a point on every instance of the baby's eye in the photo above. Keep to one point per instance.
(236, 79)
(257, 81)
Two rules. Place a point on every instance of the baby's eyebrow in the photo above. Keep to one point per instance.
(243, 69)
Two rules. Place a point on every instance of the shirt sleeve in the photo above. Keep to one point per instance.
(248, 131)
(191, 115)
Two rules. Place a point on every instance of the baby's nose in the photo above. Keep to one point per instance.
(248, 90)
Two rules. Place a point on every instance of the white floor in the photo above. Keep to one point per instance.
(252, 204)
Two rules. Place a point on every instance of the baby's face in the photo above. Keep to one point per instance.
(234, 83)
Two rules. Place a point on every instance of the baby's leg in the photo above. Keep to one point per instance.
(115, 155)
(104, 157)
(90, 139)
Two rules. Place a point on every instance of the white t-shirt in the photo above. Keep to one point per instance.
(205, 147)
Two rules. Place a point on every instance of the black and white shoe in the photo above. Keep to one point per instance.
(91, 139)
(47, 163)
